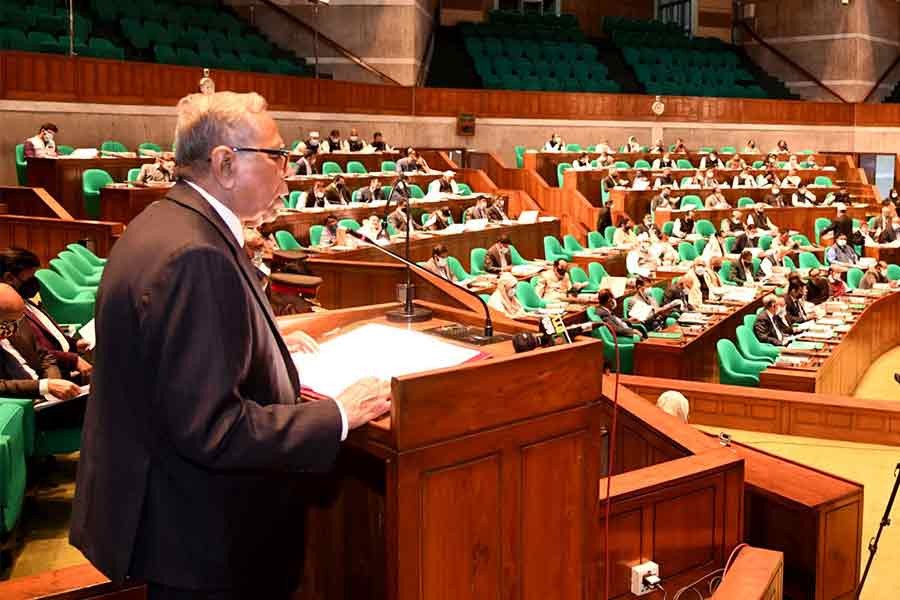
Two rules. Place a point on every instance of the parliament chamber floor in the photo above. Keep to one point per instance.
(629, 276)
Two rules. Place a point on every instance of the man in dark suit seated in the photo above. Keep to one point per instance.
(195, 443)
(795, 313)
(606, 306)
(770, 327)
(679, 290)
(399, 217)
(337, 192)
(742, 269)
(371, 193)
(29, 371)
(17, 268)
(497, 258)
(479, 211)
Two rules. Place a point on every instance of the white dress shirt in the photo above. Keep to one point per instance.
(235, 226)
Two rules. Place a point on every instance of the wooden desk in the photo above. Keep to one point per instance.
(875, 331)
(694, 356)
(61, 177)
(756, 574)
(613, 262)
(797, 219)
(528, 240)
(889, 254)
(47, 237)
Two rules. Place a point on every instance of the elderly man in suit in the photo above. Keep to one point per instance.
(195, 438)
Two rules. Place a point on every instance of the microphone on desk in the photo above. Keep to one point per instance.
(435, 280)
(526, 341)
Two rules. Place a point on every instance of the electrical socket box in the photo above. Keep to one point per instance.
(639, 573)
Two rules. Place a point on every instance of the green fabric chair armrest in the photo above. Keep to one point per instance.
(27, 405)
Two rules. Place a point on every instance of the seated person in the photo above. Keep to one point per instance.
(711, 161)
(680, 290)
(329, 232)
(614, 180)
(504, 298)
(663, 200)
(606, 306)
(412, 163)
(702, 279)
(742, 269)
(803, 197)
(605, 160)
(763, 223)
(334, 143)
(437, 264)
(160, 172)
(862, 236)
(479, 211)
(783, 242)
(644, 308)
(744, 179)
(695, 182)
(632, 145)
(555, 285)
(890, 233)
(649, 229)
(316, 196)
(745, 239)
(29, 371)
(497, 259)
(794, 304)
(665, 180)
(736, 162)
(641, 182)
(445, 184)
(17, 268)
(818, 289)
(496, 210)
(680, 148)
(639, 260)
(582, 163)
(372, 192)
(374, 231)
(841, 253)
(43, 144)
(663, 252)
(774, 197)
(791, 179)
(733, 225)
(717, 200)
(312, 144)
(378, 143)
(604, 148)
(714, 248)
(710, 181)
(781, 148)
(792, 163)
(684, 225)
(770, 327)
(875, 275)
(438, 220)
(768, 177)
(624, 235)
(554, 144)
(658, 147)
(399, 218)
(665, 162)
(354, 142)
(751, 147)
(304, 164)
(337, 191)
(836, 285)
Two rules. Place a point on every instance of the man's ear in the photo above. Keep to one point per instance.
(223, 166)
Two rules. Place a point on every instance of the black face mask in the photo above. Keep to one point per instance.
(561, 272)
(29, 288)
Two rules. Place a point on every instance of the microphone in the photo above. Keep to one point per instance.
(435, 280)
(525, 342)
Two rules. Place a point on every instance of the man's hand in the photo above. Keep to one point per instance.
(507, 268)
(82, 345)
(298, 341)
(65, 390)
(83, 366)
(365, 400)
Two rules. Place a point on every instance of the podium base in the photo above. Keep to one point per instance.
(418, 314)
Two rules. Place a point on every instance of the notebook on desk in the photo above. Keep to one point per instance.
(527, 217)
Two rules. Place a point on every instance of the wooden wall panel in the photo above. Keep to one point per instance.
(47, 237)
(590, 13)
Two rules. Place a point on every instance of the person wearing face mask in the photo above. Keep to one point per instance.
(762, 222)
(742, 270)
(818, 289)
(439, 220)
(680, 147)
(768, 178)
(711, 161)
(732, 225)
(304, 164)
(770, 327)
(316, 196)
(751, 147)
(702, 279)
(160, 172)
(29, 371)
(496, 210)
(606, 307)
(372, 192)
(736, 162)
(884, 227)
(632, 145)
(497, 259)
(504, 298)
(445, 184)
(680, 290)
(554, 144)
(665, 180)
(399, 217)
(710, 181)
(312, 143)
(641, 182)
(44, 143)
(639, 260)
(781, 148)
(614, 180)
(774, 197)
(437, 264)
(662, 200)
(477, 212)
(803, 198)
(354, 142)
(582, 163)
(841, 253)
(872, 277)
(334, 143)
(664, 162)
(658, 147)
(649, 229)
(745, 239)
(337, 191)
(378, 143)
(794, 304)
(744, 179)
(373, 230)
(894, 198)
(17, 267)
(791, 179)
(717, 200)
(862, 236)
(836, 285)
(555, 285)
(684, 225)
(646, 310)
(624, 236)
(329, 232)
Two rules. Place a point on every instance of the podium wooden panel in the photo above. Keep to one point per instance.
(756, 574)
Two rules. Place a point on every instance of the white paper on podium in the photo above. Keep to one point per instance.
(374, 350)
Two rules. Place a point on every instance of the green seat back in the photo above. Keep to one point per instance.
(64, 150)
(893, 272)
(354, 166)
(113, 146)
(704, 227)
(808, 260)
(734, 369)
(329, 167)
(765, 242)
(528, 298)
(609, 233)
(286, 240)
(744, 201)
(684, 163)
(573, 147)
(133, 174)
(560, 168)
(388, 166)
(91, 182)
(668, 227)
(464, 189)
(514, 257)
(86, 254)
(752, 348)
(476, 261)
(520, 156)
(788, 263)
(854, 276)
(415, 191)
(293, 198)
(597, 272)
(553, 249)
(64, 302)
(12, 464)
(315, 234)
(686, 251)
(820, 224)
(21, 165)
(691, 200)
(577, 275)
(801, 239)
(596, 240)
(457, 269)
(641, 164)
(349, 224)
(571, 244)
(823, 180)
(148, 146)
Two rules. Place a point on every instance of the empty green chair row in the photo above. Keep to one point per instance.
(542, 68)
(43, 19)
(535, 32)
(508, 17)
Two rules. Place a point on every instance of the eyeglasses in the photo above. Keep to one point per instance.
(8, 328)
(280, 154)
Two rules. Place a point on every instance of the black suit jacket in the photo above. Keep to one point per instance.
(193, 438)
(493, 261)
(795, 312)
(765, 330)
(840, 226)
(367, 195)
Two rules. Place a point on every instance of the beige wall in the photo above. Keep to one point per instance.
(847, 47)
(391, 35)
(88, 125)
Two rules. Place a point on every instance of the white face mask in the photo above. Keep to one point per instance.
(441, 262)
(700, 270)
(842, 243)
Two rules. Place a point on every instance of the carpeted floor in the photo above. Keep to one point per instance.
(878, 382)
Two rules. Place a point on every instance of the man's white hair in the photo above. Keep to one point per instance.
(675, 404)
(209, 120)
